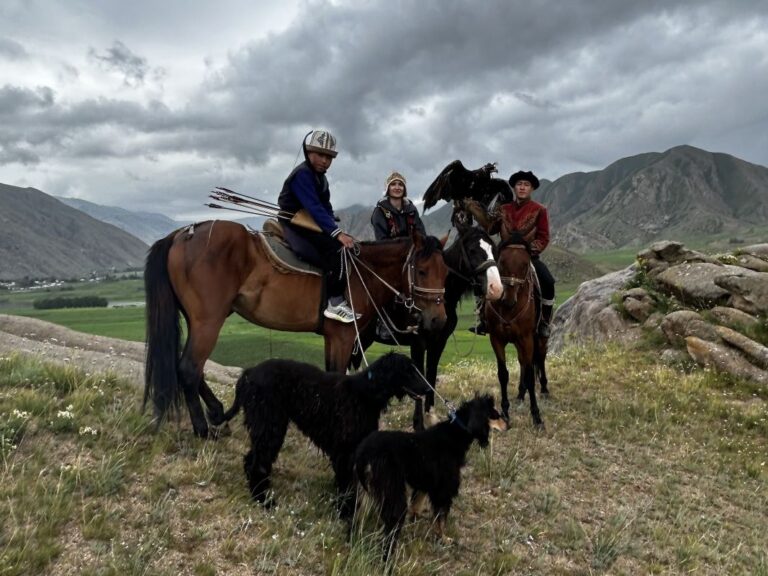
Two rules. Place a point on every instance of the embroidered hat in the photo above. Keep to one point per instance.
(527, 176)
(322, 142)
(396, 176)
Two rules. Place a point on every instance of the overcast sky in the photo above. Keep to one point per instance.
(147, 105)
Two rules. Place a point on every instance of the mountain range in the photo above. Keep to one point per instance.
(41, 237)
(680, 194)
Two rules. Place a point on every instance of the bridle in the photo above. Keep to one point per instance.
(476, 271)
(414, 291)
(514, 282)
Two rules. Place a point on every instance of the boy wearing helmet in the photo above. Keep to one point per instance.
(307, 187)
(529, 219)
(395, 216)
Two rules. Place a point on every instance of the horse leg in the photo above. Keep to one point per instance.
(540, 361)
(200, 343)
(434, 348)
(339, 342)
(502, 372)
(527, 376)
(417, 357)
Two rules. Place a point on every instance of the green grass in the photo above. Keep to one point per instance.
(611, 260)
(240, 342)
(642, 470)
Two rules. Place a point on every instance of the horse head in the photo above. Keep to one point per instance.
(425, 273)
(476, 261)
(514, 265)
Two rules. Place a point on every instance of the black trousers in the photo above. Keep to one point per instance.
(546, 280)
(322, 251)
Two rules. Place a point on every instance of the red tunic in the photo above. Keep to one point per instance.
(529, 219)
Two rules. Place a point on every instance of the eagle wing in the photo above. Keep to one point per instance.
(455, 182)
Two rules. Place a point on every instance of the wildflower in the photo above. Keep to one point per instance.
(88, 430)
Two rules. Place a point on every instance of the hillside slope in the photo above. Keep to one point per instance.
(41, 237)
(682, 193)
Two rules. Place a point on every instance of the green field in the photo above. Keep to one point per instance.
(240, 342)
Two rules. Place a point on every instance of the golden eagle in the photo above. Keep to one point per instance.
(455, 183)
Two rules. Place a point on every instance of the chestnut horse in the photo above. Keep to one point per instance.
(513, 319)
(222, 268)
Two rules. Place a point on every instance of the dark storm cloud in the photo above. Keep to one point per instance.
(121, 59)
(11, 49)
(357, 70)
(550, 86)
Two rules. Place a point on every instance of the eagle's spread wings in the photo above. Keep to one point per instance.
(455, 182)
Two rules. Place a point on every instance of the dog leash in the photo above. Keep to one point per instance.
(452, 415)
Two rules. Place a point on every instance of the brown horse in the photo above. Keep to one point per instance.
(222, 268)
(513, 319)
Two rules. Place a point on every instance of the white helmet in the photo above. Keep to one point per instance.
(322, 142)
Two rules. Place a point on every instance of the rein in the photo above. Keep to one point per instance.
(414, 291)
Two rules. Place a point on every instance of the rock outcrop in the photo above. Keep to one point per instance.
(708, 309)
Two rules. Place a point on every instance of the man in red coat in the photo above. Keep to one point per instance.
(529, 219)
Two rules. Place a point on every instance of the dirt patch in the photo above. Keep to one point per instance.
(54, 343)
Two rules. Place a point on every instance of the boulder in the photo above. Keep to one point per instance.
(678, 325)
(674, 357)
(638, 303)
(759, 250)
(749, 289)
(752, 262)
(733, 317)
(723, 359)
(589, 314)
(694, 283)
(755, 352)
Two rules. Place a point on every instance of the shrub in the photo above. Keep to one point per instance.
(74, 302)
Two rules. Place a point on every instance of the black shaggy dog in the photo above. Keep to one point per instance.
(335, 411)
(428, 462)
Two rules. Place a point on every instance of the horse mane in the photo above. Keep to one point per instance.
(516, 239)
(431, 244)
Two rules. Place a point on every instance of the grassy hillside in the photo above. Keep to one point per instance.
(642, 469)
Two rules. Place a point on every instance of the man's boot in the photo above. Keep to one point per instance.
(546, 318)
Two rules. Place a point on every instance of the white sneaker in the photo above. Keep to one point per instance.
(341, 312)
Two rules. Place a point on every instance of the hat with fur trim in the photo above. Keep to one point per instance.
(527, 176)
(395, 176)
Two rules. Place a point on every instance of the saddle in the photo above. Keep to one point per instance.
(278, 252)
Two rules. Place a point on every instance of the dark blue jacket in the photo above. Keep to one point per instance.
(305, 188)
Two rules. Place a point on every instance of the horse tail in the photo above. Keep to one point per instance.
(161, 379)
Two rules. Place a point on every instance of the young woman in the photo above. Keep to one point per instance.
(395, 216)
